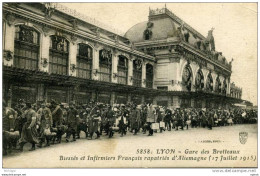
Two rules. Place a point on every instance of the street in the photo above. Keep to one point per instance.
(167, 149)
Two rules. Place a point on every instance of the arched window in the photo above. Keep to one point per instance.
(199, 82)
(26, 47)
(137, 73)
(218, 85)
(105, 65)
(209, 85)
(122, 69)
(59, 55)
(149, 76)
(84, 61)
(224, 90)
(187, 77)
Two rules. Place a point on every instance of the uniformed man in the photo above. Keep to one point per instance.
(9, 117)
(135, 119)
(45, 124)
(72, 122)
(111, 120)
(168, 119)
(123, 120)
(29, 131)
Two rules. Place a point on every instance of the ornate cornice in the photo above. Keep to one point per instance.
(51, 24)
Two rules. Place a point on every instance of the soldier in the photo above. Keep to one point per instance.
(29, 131)
(143, 115)
(111, 120)
(57, 114)
(150, 119)
(135, 119)
(45, 123)
(123, 120)
(94, 121)
(82, 126)
(168, 119)
(179, 118)
(72, 122)
(9, 116)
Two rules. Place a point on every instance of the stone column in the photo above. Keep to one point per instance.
(45, 49)
(95, 63)
(113, 96)
(9, 44)
(72, 59)
(130, 71)
(144, 74)
(128, 97)
(114, 67)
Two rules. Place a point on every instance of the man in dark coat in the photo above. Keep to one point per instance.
(57, 114)
(9, 117)
(168, 119)
(135, 119)
(72, 122)
(29, 131)
(111, 120)
(45, 123)
(123, 120)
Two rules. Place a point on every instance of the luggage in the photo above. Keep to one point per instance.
(162, 124)
(155, 126)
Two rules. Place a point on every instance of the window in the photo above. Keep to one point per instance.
(26, 47)
(149, 76)
(209, 85)
(199, 82)
(84, 61)
(187, 77)
(105, 65)
(59, 55)
(137, 73)
(122, 69)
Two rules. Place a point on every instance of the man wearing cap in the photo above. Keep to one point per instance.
(9, 116)
(135, 119)
(29, 131)
(72, 122)
(111, 120)
(168, 119)
(45, 123)
(57, 114)
(123, 120)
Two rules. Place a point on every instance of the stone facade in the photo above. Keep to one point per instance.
(44, 60)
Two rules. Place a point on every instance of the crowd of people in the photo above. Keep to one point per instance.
(42, 124)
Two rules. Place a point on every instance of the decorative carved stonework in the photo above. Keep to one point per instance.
(98, 33)
(148, 31)
(74, 23)
(72, 68)
(138, 63)
(26, 34)
(46, 30)
(174, 59)
(73, 38)
(44, 62)
(49, 9)
(8, 55)
(10, 18)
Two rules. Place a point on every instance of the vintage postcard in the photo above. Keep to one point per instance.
(129, 85)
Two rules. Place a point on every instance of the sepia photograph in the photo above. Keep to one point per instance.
(129, 85)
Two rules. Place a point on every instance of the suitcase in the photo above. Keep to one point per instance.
(162, 124)
(155, 126)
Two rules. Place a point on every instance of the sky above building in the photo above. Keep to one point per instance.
(235, 30)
